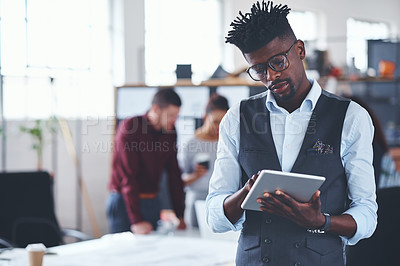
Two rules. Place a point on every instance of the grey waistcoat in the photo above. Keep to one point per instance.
(267, 239)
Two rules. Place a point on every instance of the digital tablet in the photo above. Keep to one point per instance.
(299, 186)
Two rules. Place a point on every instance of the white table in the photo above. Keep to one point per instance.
(128, 249)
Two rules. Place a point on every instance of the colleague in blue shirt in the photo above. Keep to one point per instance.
(294, 126)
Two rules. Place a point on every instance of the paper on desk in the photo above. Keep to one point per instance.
(128, 249)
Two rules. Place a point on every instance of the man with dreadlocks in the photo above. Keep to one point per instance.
(294, 126)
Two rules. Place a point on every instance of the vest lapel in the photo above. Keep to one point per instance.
(257, 148)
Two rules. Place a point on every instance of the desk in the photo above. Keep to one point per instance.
(128, 249)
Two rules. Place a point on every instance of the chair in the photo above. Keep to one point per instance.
(382, 247)
(27, 211)
(5, 244)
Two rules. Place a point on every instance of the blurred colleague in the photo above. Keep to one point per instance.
(199, 153)
(384, 165)
(145, 150)
(294, 126)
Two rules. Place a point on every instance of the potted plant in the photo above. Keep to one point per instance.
(37, 133)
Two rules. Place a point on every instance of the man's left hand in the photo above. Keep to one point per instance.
(307, 215)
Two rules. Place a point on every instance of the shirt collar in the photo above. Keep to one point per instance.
(307, 105)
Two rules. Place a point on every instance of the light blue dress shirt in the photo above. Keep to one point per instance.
(288, 131)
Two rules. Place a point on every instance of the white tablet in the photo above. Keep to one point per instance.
(299, 186)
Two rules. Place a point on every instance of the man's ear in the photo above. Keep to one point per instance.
(301, 49)
(155, 108)
(155, 111)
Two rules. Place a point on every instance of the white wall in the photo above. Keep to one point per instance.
(333, 16)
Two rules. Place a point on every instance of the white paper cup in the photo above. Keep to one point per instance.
(203, 159)
(35, 254)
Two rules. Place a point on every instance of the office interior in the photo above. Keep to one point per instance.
(115, 62)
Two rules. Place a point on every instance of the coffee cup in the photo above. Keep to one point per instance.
(206, 164)
(35, 253)
(203, 159)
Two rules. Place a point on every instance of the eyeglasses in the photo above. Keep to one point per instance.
(277, 63)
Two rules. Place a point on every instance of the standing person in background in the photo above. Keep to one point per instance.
(199, 153)
(144, 150)
(294, 126)
(384, 165)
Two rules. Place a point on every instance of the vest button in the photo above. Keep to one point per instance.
(268, 241)
(297, 244)
(297, 264)
(268, 221)
(266, 259)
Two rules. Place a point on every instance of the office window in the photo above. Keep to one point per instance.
(55, 57)
(181, 32)
(358, 32)
(304, 24)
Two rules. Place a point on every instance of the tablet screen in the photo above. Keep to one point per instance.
(300, 186)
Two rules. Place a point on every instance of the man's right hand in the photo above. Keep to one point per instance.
(232, 204)
(199, 171)
(249, 184)
(142, 228)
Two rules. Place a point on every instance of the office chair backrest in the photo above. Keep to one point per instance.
(27, 209)
(383, 247)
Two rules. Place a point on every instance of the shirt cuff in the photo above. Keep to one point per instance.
(216, 218)
(363, 229)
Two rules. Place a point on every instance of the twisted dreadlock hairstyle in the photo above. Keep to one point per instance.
(254, 30)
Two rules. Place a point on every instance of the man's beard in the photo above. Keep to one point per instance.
(286, 97)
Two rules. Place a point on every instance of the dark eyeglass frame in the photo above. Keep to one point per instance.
(268, 64)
